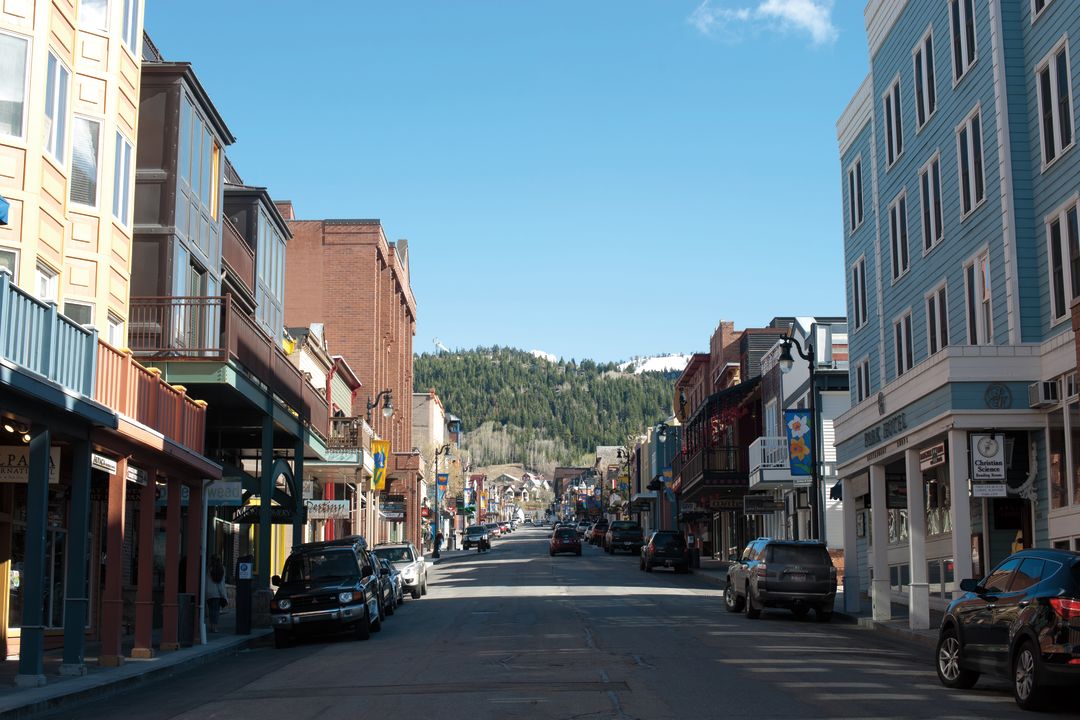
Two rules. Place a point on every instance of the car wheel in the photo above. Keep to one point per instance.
(382, 610)
(416, 593)
(641, 565)
(752, 612)
(648, 566)
(391, 607)
(423, 589)
(801, 611)
(949, 672)
(732, 601)
(282, 639)
(822, 615)
(363, 628)
(1027, 691)
(579, 552)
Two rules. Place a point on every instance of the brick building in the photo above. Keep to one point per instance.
(344, 274)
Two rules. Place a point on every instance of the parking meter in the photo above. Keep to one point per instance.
(245, 566)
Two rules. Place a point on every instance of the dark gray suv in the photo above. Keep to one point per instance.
(793, 574)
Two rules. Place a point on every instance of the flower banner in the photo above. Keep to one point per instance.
(800, 437)
(380, 450)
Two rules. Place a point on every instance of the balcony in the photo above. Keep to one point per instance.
(214, 329)
(35, 336)
(769, 466)
(127, 387)
(238, 256)
(716, 467)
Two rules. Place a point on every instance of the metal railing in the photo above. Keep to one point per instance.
(769, 453)
(723, 463)
(125, 386)
(34, 335)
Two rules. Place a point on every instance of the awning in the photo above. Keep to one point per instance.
(837, 491)
(642, 501)
(4, 205)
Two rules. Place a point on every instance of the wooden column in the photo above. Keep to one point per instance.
(195, 538)
(144, 597)
(112, 601)
(76, 603)
(170, 606)
(32, 641)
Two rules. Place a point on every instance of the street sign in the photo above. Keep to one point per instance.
(244, 570)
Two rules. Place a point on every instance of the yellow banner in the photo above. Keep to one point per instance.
(380, 449)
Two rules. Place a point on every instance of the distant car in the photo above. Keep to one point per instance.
(793, 574)
(504, 527)
(665, 548)
(396, 581)
(623, 535)
(494, 529)
(476, 536)
(565, 540)
(1021, 622)
(528, 521)
(411, 564)
(597, 531)
(583, 528)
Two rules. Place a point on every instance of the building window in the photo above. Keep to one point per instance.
(930, 191)
(122, 180)
(855, 195)
(902, 338)
(1064, 255)
(962, 25)
(894, 129)
(13, 52)
(969, 151)
(94, 14)
(1055, 103)
(977, 287)
(45, 283)
(86, 137)
(9, 260)
(82, 313)
(858, 289)
(56, 100)
(898, 235)
(131, 26)
(925, 86)
(937, 320)
(115, 332)
(862, 380)
(1037, 6)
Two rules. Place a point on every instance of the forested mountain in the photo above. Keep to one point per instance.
(516, 407)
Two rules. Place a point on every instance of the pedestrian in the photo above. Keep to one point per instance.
(438, 543)
(216, 596)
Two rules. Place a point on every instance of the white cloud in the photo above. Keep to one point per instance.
(813, 17)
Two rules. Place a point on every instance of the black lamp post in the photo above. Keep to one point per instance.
(387, 396)
(435, 528)
(786, 363)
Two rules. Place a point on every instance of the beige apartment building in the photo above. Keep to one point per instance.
(69, 97)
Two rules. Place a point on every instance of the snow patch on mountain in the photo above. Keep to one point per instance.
(659, 363)
(544, 355)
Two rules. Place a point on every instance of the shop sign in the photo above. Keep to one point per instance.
(224, 492)
(689, 507)
(717, 502)
(987, 457)
(100, 462)
(15, 464)
(989, 490)
(932, 456)
(137, 475)
(883, 431)
(327, 509)
(896, 494)
(279, 515)
(761, 505)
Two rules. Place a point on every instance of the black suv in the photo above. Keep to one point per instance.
(623, 535)
(1022, 622)
(327, 587)
(794, 574)
(665, 548)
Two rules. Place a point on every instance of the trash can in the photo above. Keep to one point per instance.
(244, 576)
(185, 633)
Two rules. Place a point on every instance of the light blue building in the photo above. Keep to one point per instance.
(960, 184)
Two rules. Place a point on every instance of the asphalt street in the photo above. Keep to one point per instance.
(514, 633)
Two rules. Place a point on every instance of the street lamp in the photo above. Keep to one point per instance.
(661, 431)
(387, 397)
(444, 450)
(786, 363)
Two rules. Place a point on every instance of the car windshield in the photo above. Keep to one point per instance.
(668, 541)
(322, 565)
(476, 530)
(395, 554)
(564, 534)
(625, 525)
(798, 555)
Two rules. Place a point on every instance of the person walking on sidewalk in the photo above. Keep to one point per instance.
(216, 596)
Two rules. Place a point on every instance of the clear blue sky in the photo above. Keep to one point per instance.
(593, 178)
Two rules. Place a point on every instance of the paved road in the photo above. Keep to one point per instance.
(516, 634)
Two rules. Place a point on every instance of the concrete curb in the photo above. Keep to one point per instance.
(30, 702)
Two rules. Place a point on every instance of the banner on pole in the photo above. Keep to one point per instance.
(380, 451)
(800, 437)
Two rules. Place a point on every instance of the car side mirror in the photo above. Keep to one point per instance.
(275, 580)
(970, 585)
(368, 571)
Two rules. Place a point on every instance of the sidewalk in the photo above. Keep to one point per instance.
(61, 690)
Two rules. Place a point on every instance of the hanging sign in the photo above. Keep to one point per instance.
(137, 475)
(327, 509)
(987, 457)
(15, 464)
(800, 437)
(380, 451)
(932, 456)
(225, 492)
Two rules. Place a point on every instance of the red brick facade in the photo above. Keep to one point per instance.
(344, 274)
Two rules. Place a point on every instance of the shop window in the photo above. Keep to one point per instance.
(898, 526)
(933, 577)
(1059, 490)
(1074, 441)
(938, 507)
(9, 260)
(53, 590)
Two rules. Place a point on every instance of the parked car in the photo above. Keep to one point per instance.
(411, 564)
(504, 527)
(396, 581)
(1021, 622)
(555, 526)
(565, 540)
(494, 530)
(387, 593)
(623, 535)
(665, 548)
(326, 587)
(597, 531)
(476, 536)
(793, 574)
(583, 528)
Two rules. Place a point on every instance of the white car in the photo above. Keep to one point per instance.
(409, 562)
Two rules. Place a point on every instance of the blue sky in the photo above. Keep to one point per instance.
(593, 178)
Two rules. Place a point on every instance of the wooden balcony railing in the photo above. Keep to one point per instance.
(127, 387)
(214, 329)
(722, 465)
(349, 433)
(238, 255)
(34, 335)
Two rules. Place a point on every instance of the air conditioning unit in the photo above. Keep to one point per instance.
(1044, 394)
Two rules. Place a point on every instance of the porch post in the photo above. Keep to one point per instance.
(879, 587)
(851, 550)
(266, 494)
(32, 643)
(919, 589)
(112, 601)
(144, 593)
(75, 601)
(195, 538)
(961, 508)
(298, 483)
(170, 608)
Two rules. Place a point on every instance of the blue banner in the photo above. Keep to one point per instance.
(442, 479)
(800, 437)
